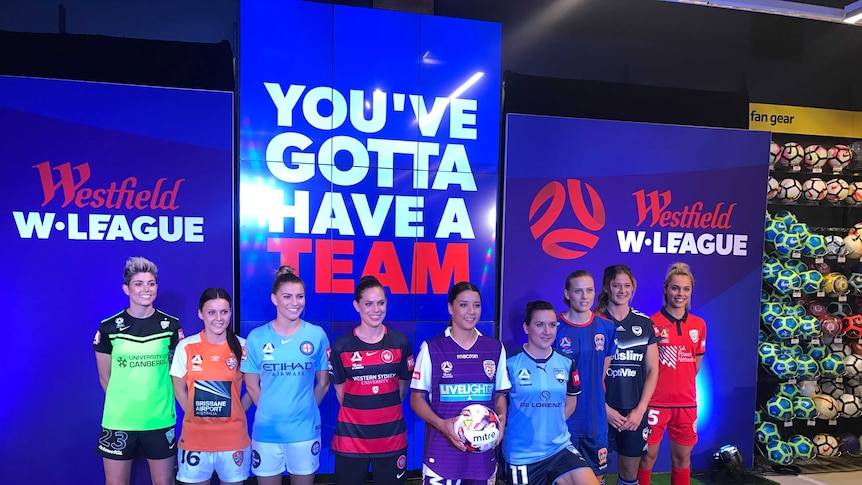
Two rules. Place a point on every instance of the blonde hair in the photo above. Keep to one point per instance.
(137, 264)
(676, 269)
(285, 274)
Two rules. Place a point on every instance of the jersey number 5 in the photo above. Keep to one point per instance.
(652, 417)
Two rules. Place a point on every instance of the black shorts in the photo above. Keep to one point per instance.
(157, 444)
(629, 443)
(389, 470)
(548, 470)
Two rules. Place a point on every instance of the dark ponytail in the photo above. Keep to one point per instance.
(222, 294)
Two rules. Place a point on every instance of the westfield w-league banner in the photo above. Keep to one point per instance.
(586, 194)
(368, 145)
(94, 174)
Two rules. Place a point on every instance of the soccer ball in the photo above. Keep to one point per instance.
(814, 246)
(808, 388)
(849, 406)
(855, 282)
(774, 153)
(809, 327)
(854, 197)
(827, 407)
(839, 349)
(779, 452)
(478, 427)
(770, 310)
(815, 157)
(780, 408)
(831, 388)
(812, 280)
(835, 284)
(768, 352)
(772, 188)
(852, 365)
(786, 242)
(784, 326)
(773, 229)
(851, 325)
(839, 309)
(802, 447)
(853, 386)
(783, 366)
(804, 408)
(801, 230)
(793, 264)
(785, 217)
(849, 443)
(795, 309)
(832, 366)
(834, 246)
(838, 157)
(766, 431)
(771, 267)
(852, 246)
(825, 444)
(790, 189)
(836, 190)
(831, 324)
(817, 351)
(791, 155)
(816, 309)
(813, 190)
(793, 350)
(787, 281)
(806, 367)
(787, 390)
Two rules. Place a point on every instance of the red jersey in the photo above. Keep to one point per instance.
(215, 420)
(682, 341)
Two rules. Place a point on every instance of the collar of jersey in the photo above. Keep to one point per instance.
(673, 319)
(573, 324)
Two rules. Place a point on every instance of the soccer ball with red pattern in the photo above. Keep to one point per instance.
(791, 155)
(815, 157)
(838, 157)
(852, 326)
(479, 427)
(825, 444)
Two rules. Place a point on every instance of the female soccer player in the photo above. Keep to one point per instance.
(287, 375)
(630, 381)
(588, 339)
(132, 357)
(545, 385)
(674, 403)
(207, 384)
(371, 367)
(459, 367)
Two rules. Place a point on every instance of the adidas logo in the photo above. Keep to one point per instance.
(620, 329)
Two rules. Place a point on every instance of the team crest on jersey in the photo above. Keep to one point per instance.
(315, 448)
(446, 367)
(231, 362)
(375, 389)
(244, 354)
(97, 338)
(603, 456)
(566, 345)
(267, 351)
(637, 331)
(524, 377)
(306, 348)
(402, 462)
(121, 324)
(238, 457)
(694, 334)
(560, 375)
(387, 356)
(600, 342)
(490, 368)
(165, 324)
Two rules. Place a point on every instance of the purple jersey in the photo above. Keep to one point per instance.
(454, 377)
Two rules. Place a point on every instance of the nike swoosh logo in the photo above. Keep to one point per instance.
(284, 341)
(399, 475)
(369, 354)
(172, 446)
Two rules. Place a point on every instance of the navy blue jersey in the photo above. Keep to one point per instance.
(624, 383)
(536, 424)
(588, 344)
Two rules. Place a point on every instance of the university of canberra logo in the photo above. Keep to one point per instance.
(566, 242)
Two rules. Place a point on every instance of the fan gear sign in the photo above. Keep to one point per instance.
(643, 195)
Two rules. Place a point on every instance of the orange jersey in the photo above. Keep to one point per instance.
(215, 420)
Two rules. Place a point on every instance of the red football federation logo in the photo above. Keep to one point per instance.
(566, 242)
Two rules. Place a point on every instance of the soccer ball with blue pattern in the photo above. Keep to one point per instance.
(786, 243)
(809, 327)
(793, 350)
(761, 335)
(804, 408)
(812, 281)
(795, 309)
(806, 367)
(766, 431)
(758, 418)
(796, 265)
(800, 229)
(785, 217)
(780, 408)
(773, 229)
(802, 447)
(783, 366)
(832, 366)
(787, 281)
(771, 267)
(814, 246)
(771, 310)
(768, 352)
(834, 246)
(780, 452)
(784, 326)
(787, 390)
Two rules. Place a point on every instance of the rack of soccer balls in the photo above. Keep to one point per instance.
(809, 340)
(792, 157)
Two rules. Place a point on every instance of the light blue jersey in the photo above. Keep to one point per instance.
(286, 411)
(536, 423)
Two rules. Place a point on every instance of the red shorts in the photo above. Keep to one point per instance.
(681, 425)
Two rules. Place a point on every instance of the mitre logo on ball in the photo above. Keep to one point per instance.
(548, 207)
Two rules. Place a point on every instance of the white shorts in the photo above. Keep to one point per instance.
(270, 459)
(198, 466)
